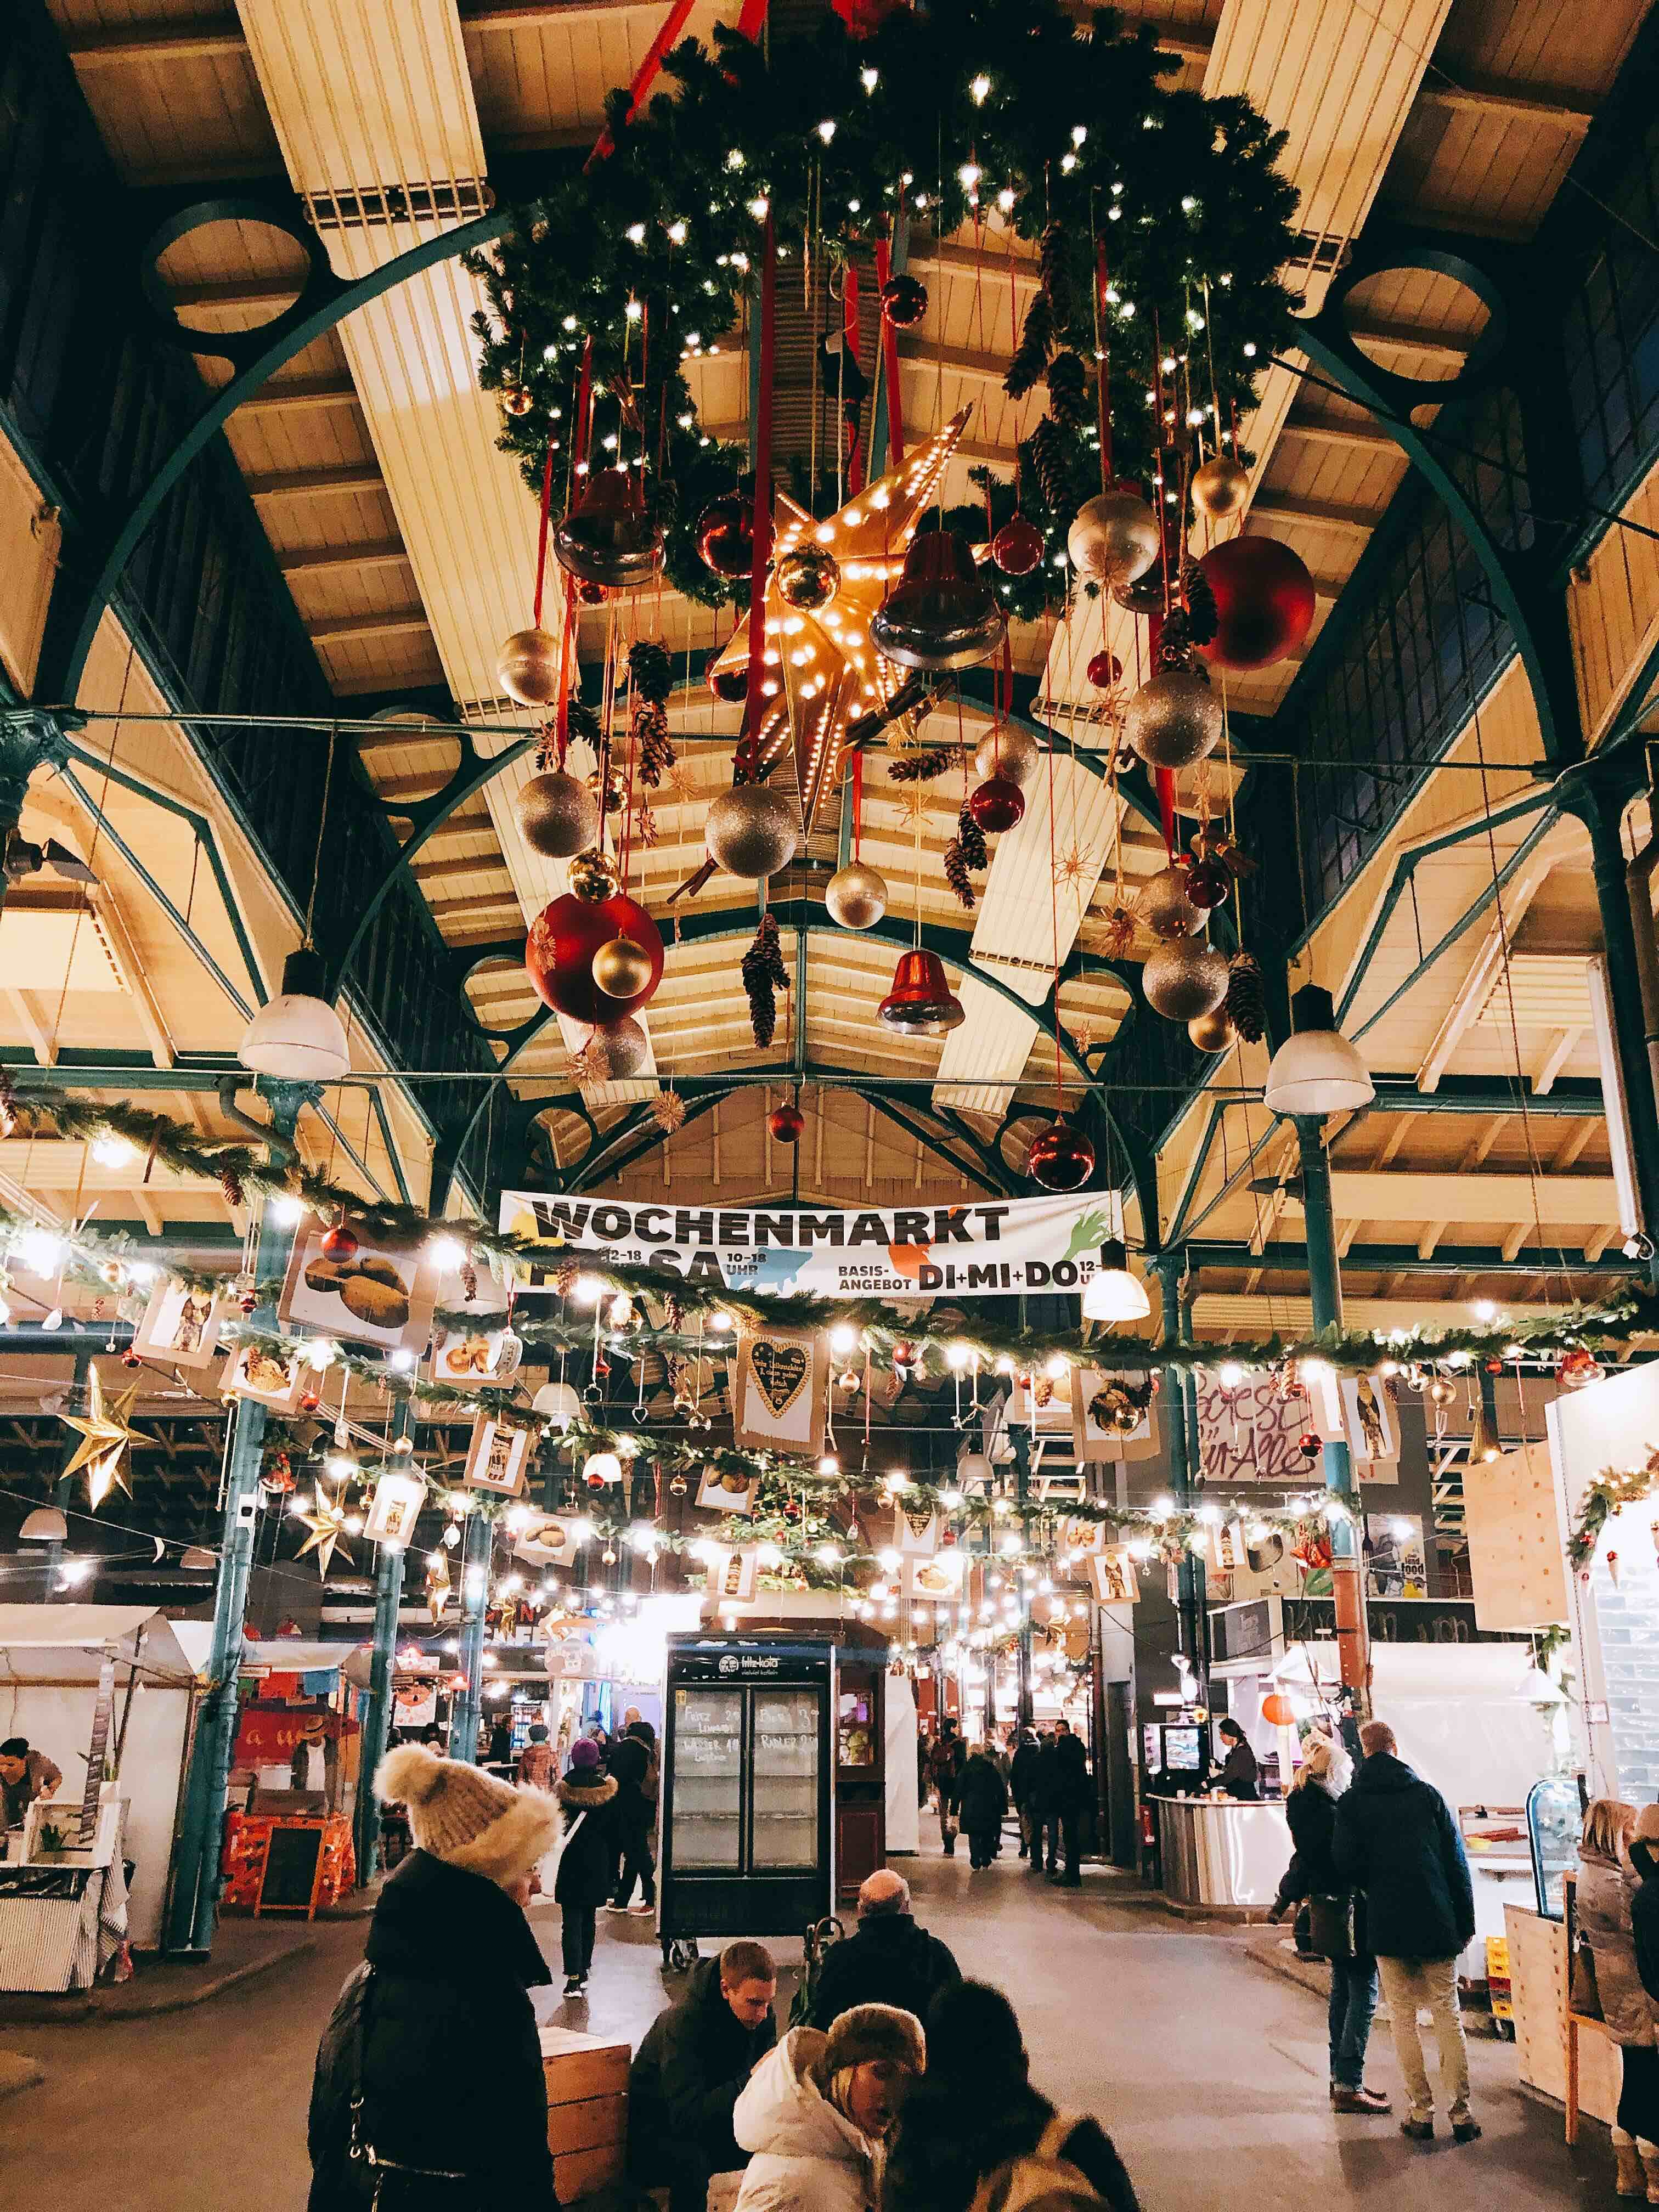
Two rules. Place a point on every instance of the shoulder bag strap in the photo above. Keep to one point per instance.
(1050, 2142)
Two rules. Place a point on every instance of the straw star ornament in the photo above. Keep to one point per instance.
(327, 1526)
(105, 1434)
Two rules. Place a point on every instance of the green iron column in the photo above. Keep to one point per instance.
(64, 1492)
(389, 1564)
(1177, 1329)
(1325, 1292)
(193, 1906)
(1025, 1711)
(475, 1599)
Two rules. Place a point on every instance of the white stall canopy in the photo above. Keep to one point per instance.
(66, 1644)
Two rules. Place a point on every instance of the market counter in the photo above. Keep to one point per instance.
(1221, 1858)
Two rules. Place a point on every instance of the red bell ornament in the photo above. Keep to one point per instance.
(1264, 601)
(1061, 1158)
(1018, 547)
(725, 535)
(920, 1003)
(942, 614)
(607, 539)
(996, 805)
(1207, 882)
(730, 684)
(785, 1123)
(558, 955)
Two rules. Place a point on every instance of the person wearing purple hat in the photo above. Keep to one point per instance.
(587, 1794)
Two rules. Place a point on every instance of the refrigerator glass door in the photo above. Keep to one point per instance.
(708, 1778)
(785, 1833)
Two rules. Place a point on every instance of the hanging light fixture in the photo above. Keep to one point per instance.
(297, 1035)
(1317, 1070)
(1112, 1293)
(45, 1525)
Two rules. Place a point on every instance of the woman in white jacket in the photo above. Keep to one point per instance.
(816, 2109)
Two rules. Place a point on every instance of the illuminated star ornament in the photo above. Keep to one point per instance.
(105, 1435)
(327, 1525)
(821, 669)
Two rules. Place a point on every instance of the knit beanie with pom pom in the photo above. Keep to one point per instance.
(466, 1817)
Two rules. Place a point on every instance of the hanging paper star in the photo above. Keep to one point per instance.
(327, 1525)
(1074, 871)
(821, 668)
(105, 1438)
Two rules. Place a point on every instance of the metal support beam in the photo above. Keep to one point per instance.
(1194, 1629)
(468, 1709)
(389, 1563)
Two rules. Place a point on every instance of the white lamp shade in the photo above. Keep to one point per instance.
(973, 1466)
(1317, 1070)
(45, 1525)
(556, 1403)
(1112, 1293)
(604, 1464)
(298, 1036)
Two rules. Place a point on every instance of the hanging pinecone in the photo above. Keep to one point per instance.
(656, 748)
(469, 1281)
(1247, 998)
(673, 1314)
(1068, 393)
(964, 857)
(1032, 355)
(650, 671)
(1056, 278)
(1050, 462)
(923, 763)
(564, 1277)
(1203, 620)
(580, 720)
(763, 975)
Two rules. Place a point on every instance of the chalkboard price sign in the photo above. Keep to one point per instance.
(292, 1860)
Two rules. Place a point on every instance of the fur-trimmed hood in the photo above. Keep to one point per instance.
(578, 1797)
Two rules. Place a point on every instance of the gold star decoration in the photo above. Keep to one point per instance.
(821, 669)
(105, 1435)
(913, 807)
(327, 1526)
(1074, 870)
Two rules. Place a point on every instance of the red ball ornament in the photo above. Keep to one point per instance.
(903, 300)
(1264, 600)
(339, 1243)
(1018, 547)
(1061, 1158)
(725, 535)
(1103, 671)
(309, 1401)
(785, 1123)
(1309, 1445)
(131, 1358)
(730, 684)
(595, 1481)
(790, 1511)
(558, 955)
(1205, 882)
(997, 804)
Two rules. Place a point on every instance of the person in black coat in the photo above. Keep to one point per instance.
(1310, 1816)
(887, 1959)
(1239, 1775)
(587, 1858)
(974, 2109)
(1071, 1800)
(1022, 1784)
(633, 1765)
(982, 1794)
(1396, 1840)
(434, 2031)
(689, 2071)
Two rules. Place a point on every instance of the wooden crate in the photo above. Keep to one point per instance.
(586, 2109)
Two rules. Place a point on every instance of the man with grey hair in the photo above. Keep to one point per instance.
(886, 1960)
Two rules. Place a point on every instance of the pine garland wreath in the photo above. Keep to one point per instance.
(966, 856)
(1246, 997)
(763, 975)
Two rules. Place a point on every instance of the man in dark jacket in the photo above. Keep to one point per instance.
(944, 1770)
(1396, 1840)
(1070, 1786)
(689, 2071)
(434, 2031)
(1645, 1901)
(633, 1769)
(887, 1959)
(1022, 1784)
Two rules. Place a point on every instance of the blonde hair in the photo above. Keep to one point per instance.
(1609, 1822)
(1315, 1762)
(1647, 1825)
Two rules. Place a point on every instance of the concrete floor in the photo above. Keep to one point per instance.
(1208, 2070)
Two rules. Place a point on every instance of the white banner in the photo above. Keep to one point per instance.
(983, 1250)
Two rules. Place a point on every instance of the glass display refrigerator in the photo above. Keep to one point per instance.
(747, 1841)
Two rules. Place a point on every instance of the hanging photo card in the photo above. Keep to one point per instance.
(1321, 1399)
(780, 1380)
(1115, 1576)
(394, 1509)
(179, 1324)
(269, 1377)
(552, 1541)
(1079, 1535)
(732, 1575)
(1394, 1562)
(727, 1490)
(915, 1532)
(1228, 1551)
(1371, 1425)
(380, 1296)
(936, 1578)
(476, 1355)
(1113, 1416)
(496, 1457)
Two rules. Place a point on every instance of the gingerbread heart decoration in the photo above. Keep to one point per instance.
(780, 1370)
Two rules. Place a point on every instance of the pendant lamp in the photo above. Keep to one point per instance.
(1112, 1293)
(45, 1525)
(1317, 1070)
(297, 1036)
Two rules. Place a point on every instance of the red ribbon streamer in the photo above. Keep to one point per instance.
(673, 24)
(890, 358)
(541, 545)
(762, 485)
(858, 802)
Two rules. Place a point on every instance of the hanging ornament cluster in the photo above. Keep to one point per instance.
(1008, 753)
(594, 960)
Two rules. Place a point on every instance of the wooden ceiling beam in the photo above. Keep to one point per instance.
(301, 394)
(1512, 103)
(1354, 522)
(327, 560)
(349, 478)
(209, 37)
(1403, 337)
(1340, 437)
(359, 629)
(270, 294)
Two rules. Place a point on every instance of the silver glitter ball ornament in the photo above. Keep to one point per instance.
(1166, 910)
(856, 895)
(1184, 980)
(752, 830)
(1113, 539)
(557, 815)
(627, 1047)
(1009, 752)
(1174, 719)
(528, 668)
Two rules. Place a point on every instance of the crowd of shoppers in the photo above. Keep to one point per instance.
(1044, 1776)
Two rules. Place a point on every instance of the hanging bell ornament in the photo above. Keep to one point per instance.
(807, 579)
(528, 669)
(626, 1046)
(1104, 669)
(516, 400)
(1174, 719)
(1184, 980)
(622, 969)
(942, 615)
(785, 1123)
(752, 831)
(998, 804)
(1061, 1158)
(557, 815)
(729, 685)
(1576, 1368)
(1018, 547)
(920, 1003)
(903, 300)
(607, 539)
(1207, 882)
(1211, 1032)
(1165, 908)
(1114, 537)
(856, 895)
(1008, 753)
(725, 537)
(1221, 487)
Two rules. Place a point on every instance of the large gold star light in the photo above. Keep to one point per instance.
(105, 1435)
(820, 668)
(327, 1526)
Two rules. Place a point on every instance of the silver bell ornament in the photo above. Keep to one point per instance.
(607, 539)
(528, 668)
(557, 815)
(1221, 487)
(856, 895)
(1113, 538)
(1009, 752)
(1184, 980)
(1174, 719)
(752, 830)
(1165, 908)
